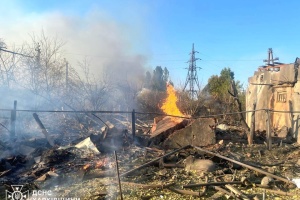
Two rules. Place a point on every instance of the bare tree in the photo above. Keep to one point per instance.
(128, 92)
(151, 100)
(94, 92)
(9, 61)
(44, 74)
(192, 107)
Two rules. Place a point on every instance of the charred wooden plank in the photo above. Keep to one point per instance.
(245, 165)
(153, 161)
(44, 130)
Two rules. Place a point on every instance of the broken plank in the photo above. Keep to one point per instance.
(187, 192)
(145, 186)
(212, 184)
(44, 131)
(245, 165)
(224, 191)
(237, 192)
(153, 161)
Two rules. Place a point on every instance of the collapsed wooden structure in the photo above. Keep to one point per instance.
(274, 91)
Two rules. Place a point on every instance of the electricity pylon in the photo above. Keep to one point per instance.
(192, 77)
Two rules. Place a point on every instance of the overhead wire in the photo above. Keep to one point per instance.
(171, 60)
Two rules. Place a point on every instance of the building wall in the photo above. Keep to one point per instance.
(295, 106)
(275, 89)
(282, 95)
(258, 92)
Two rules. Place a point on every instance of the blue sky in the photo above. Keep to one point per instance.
(231, 33)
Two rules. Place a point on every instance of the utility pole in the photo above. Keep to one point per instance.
(270, 60)
(192, 77)
(67, 75)
(38, 55)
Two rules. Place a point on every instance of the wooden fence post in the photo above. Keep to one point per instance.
(252, 128)
(133, 123)
(13, 118)
(269, 137)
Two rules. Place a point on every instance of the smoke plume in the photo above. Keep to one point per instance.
(94, 35)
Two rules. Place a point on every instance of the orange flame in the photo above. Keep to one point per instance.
(85, 167)
(102, 163)
(169, 106)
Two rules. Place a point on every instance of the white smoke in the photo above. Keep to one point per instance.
(95, 35)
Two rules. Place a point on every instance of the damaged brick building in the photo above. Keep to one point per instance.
(275, 86)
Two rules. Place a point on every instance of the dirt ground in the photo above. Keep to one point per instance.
(148, 182)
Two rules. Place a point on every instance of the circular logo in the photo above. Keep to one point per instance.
(17, 195)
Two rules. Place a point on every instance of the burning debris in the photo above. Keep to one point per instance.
(197, 132)
(169, 106)
(174, 132)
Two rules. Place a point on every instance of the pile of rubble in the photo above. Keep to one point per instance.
(173, 158)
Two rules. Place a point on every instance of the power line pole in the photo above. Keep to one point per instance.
(270, 60)
(67, 75)
(192, 77)
(270, 63)
(38, 56)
